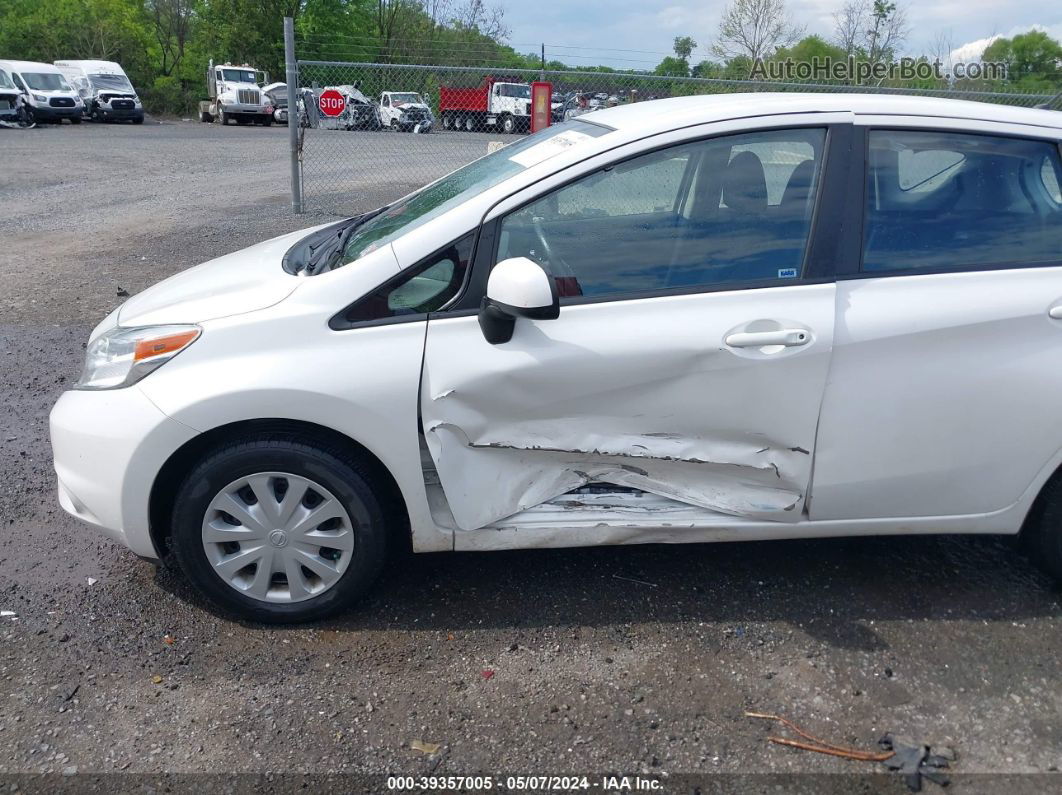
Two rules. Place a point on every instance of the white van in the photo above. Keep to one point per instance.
(105, 89)
(48, 95)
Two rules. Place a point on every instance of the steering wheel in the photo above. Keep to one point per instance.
(557, 263)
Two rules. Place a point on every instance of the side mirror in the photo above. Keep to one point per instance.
(516, 287)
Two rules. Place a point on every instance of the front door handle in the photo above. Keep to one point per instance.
(788, 337)
(1055, 312)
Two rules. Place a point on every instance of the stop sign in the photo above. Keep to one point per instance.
(332, 102)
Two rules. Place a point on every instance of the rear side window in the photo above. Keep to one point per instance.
(955, 201)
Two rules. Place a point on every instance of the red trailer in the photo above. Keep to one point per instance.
(496, 102)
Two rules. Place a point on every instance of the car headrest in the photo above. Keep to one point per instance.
(744, 184)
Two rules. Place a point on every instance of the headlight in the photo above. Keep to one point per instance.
(39, 98)
(136, 101)
(122, 356)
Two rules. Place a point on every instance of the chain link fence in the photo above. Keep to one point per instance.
(400, 126)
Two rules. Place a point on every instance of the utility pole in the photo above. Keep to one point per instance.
(543, 75)
(292, 76)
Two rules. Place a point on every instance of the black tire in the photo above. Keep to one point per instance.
(470, 124)
(138, 120)
(447, 121)
(1041, 536)
(268, 121)
(75, 120)
(205, 117)
(341, 473)
(508, 124)
(222, 118)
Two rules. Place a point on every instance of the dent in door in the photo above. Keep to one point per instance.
(495, 457)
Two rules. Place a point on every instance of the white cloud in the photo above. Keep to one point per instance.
(973, 50)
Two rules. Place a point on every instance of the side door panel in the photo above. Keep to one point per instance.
(643, 394)
(944, 389)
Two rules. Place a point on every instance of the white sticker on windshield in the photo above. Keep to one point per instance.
(549, 148)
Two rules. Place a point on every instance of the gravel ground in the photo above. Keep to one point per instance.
(625, 660)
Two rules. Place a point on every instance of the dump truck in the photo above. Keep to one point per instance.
(495, 103)
(236, 93)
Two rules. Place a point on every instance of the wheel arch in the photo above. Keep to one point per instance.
(179, 464)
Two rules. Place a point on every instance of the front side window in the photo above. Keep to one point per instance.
(433, 200)
(5, 81)
(706, 214)
(426, 287)
(954, 201)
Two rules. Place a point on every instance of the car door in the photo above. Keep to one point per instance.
(691, 348)
(944, 391)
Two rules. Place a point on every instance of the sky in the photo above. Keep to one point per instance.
(636, 34)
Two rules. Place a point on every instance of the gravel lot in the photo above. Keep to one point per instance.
(625, 660)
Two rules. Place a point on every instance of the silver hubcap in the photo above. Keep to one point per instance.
(278, 537)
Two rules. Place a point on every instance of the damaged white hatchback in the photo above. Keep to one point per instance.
(715, 318)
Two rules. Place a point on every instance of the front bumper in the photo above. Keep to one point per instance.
(121, 113)
(46, 112)
(109, 446)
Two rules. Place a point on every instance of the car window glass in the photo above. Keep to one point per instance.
(18, 81)
(1050, 179)
(779, 162)
(696, 215)
(426, 287)
(955, 201)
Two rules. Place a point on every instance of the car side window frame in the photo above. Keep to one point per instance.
(822, 256)
(859, 273)
(340, 322)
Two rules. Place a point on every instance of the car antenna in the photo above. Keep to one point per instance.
(1047, 105)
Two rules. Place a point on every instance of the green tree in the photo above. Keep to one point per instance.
(684, 47)
(672, 67)
(1033, 59)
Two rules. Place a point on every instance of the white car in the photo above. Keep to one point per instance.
(758, 316)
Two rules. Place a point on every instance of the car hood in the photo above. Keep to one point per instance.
(243, 281)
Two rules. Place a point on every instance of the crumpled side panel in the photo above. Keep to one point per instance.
(661, 405)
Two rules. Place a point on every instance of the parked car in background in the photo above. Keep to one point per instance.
(47, 95)
(104, 89)
(236, 95)
(11, 108)
(405, 111)
(712, 318)
(360, 112)
(277, 95)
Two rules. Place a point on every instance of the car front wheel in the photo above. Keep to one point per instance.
(277, 530)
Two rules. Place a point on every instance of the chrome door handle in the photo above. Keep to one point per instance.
(1055, 312)
(788, 337)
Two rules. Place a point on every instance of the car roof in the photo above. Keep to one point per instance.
(27, 66)
(95, 67)
(660, 115)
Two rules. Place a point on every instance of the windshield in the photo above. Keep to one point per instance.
(45, 81)
(518, 90)
(478, 176)
(399, 98)
(5, 81)
(238, 75)
(111, 82)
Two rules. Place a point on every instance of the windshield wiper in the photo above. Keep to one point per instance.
(326, 256)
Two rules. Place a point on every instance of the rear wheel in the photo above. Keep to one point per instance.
(470, 124)
(1041, 536)
(205, 117)
(75, 120)
(447, 121)
(277, 530)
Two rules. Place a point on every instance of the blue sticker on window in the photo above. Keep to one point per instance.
(787, 273)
